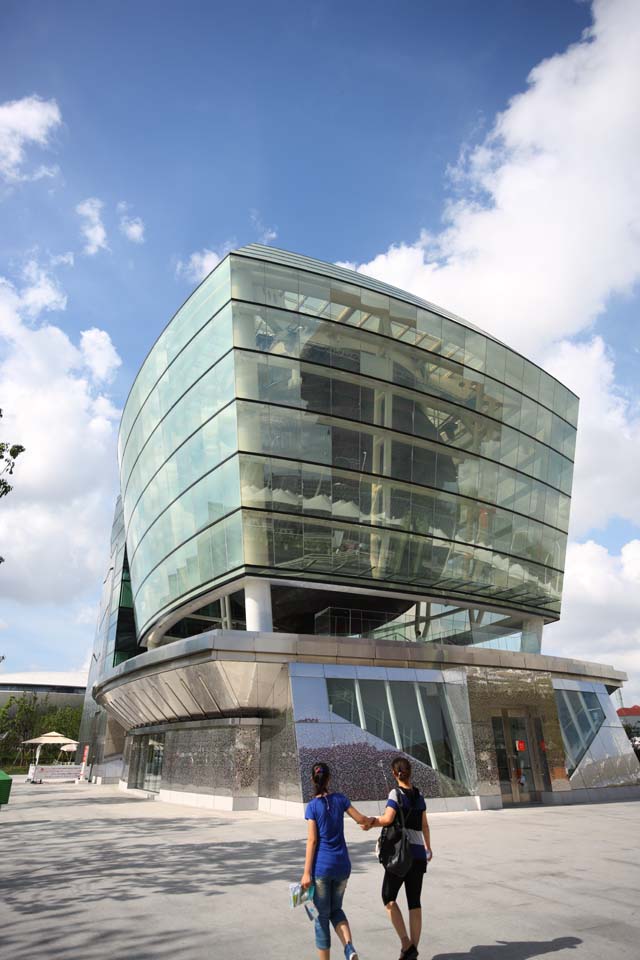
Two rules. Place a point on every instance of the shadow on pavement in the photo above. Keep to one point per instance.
(514, 950)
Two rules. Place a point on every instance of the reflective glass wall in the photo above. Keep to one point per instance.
(298, 418)
(382, 442)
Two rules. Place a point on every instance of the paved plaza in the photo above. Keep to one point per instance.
(88, 872)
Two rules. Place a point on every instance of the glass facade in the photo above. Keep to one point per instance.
(411, 716)
(581, 716)
(297, 419)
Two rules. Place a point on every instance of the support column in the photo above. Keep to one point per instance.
(532, 635)
(257, 605)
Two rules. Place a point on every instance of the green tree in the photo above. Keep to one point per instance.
(27, 716)
(65, 720)
(19, 720)
(9, 453)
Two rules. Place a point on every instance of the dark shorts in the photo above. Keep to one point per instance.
(412, 885)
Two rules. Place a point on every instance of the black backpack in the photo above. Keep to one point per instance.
(394, 849)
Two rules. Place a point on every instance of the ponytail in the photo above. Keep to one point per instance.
(402, 768)
(320, 774)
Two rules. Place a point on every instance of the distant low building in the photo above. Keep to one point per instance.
(630, 717)
(62, 688)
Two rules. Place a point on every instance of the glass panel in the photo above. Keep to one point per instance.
(453, 340)
(200, 354)
(345, 303)
(376, 710)
(514, 370)
(210, 498)
(153, 765)
(412, 734)
(522, 753)
(342, 699)
(375, 311)
(196, 564)
(429, 331)
(542, 753)
(206, 448)
(475, 350)
(247, 280)
(496, 360)
(581, 716)
(531, 385)
(547, 389)
(440, 730)
(315, 295)
(198, 405)
(203, 303)
(504, 774)
(281, 287)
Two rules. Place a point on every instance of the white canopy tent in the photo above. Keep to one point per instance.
(51, 738)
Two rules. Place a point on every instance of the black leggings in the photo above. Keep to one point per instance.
(412, 885)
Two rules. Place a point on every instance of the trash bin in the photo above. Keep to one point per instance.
(5, 787)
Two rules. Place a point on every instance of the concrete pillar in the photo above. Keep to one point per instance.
(532, 635)
(257, 605)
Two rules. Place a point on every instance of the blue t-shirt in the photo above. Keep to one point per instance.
(332, 856)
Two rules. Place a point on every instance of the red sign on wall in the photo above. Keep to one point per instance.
(521, 746)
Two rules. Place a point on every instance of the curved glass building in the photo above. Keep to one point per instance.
(311, 460)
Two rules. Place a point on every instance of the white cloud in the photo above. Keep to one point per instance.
(41, 291)
(92, 228)
(607, 464)
(99, 354)
(266, 235)
(55, 524)
(86, 615)
(26, 122)
(542, 230)
(601, 610)
(131, 227)
(63, 259)
(547, 224)
(199, 265)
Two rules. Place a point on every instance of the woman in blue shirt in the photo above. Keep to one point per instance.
(327, 863)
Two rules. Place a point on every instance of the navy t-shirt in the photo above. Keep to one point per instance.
(413, 806)
(332, 856)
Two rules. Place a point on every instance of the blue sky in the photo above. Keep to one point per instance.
(384, 135)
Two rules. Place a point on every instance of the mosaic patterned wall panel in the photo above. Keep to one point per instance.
(216, 759)
(492, 690)
(279, 767)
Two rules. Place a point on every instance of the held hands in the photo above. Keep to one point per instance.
(367, 823)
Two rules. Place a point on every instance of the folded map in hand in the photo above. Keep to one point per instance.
(297, 895)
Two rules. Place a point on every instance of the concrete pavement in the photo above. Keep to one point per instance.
(88, 873)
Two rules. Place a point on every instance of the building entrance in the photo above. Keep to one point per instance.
(520, 752)
(146, 762)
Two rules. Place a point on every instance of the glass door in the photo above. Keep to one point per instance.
(153, 771)
(522, 747)
(520, 769)
(504, 765)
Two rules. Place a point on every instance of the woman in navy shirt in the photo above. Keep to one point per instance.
(414, 809)
(327, 863)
